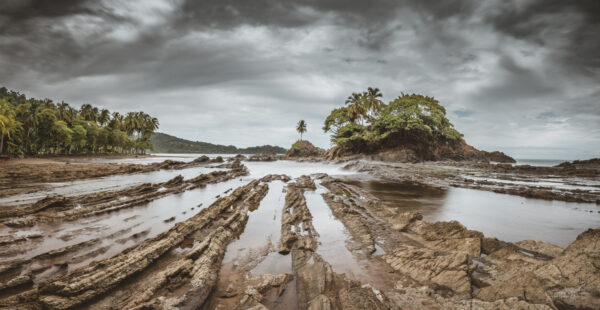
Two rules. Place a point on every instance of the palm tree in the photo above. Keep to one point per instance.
(356, 106)
(86, 112)
(94, 114)
(62, 111)
(33, 126)
(8, 122)
(150, 125)
(117, 121)
(130, 123)
(104, 117)
(5, 129)
(29, 115)
(301, 128)
(372, 103)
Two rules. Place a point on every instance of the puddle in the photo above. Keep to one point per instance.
(261, 236)
(332, 236)
(274, 263)
(558, 183)
(294, 169)
(109, 183)
(506, 217)
(148, 217)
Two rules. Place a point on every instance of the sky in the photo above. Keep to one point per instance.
(521, 76)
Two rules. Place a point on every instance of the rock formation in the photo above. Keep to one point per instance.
(419, 152)
(303, 149)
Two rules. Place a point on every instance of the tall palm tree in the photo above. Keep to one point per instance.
(5, 129)
(301, 128)
(29, 114)
(71, 115)
(372, 102)
(8, 122)
(356, 107)
(62, 111)
(130, 123)
(94, 114)
(117, 121)
(150, 125)
(104, 117)
(86, 112)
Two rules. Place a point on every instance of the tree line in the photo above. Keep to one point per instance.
(35, 127)
(164, 143)
(366, 123)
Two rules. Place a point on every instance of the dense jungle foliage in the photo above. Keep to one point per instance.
(366, 123)
(35, 127)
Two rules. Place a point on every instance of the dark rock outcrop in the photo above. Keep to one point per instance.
(303, 149)
(419, 152)
(264, 156)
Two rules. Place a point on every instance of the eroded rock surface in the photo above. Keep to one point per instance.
(200, 263)
(428, 266)
(58, 207)
(319, 287)
(421, 265)
(66, 171)
(297, 231)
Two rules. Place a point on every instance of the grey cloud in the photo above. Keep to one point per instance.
(464, 113)
(243, 72)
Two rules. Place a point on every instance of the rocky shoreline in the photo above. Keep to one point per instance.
(406, 262)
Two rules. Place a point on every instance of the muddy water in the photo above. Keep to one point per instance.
(507, 217)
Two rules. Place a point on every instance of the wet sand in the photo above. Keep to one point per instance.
(293, 235)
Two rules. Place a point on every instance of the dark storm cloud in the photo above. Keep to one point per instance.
(240, 72)
(574, 23)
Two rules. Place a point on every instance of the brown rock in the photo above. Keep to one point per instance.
(540, 248)
(402, 220)
(428, 266)
(525, 286)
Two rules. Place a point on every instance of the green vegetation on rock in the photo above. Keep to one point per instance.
(164, 143)
(303, 148)
(36, 127)
(367, 124)
(296, 146)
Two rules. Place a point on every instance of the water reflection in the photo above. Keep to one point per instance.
(333, 236)
(507, 217)
(108, 183)
(261, 236)
(121, 229)
(295, 169)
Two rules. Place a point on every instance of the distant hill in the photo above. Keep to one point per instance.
(164, 143)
